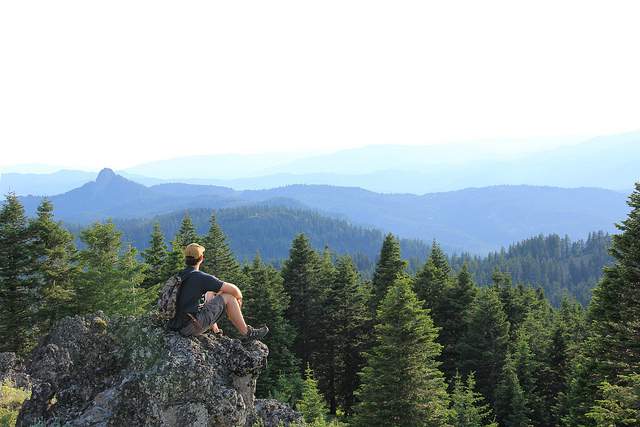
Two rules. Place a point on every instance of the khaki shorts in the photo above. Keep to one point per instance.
(205, 318)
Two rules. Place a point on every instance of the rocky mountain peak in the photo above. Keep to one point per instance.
(106, 175)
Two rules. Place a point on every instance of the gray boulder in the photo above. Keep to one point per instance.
(274, 413)
(95, 371)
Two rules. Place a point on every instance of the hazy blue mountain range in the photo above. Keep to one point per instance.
(112, 195)
(53, 183)
(354, 161)
(476, 220)
(603, 162)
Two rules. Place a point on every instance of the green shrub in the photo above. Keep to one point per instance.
(11, 399)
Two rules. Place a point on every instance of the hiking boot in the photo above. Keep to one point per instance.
(213, 333)
(255, 333)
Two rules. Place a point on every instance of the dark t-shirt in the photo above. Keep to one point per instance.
(195, 284)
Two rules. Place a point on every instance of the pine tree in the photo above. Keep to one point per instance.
(613, 348)
(53, 270)
(390, 266)
(432, 283)
(439, 260)
(511, 409)
(187, 233)
(108, 281)
(347, 335)
(579, 399)
(509, 296)
(174, 261)
(265, 303)
(155, 257)
(323, 360)
(98, 262)
(619, 404)
(455, 313)
(219, 260)
(401, 383)
(289, 389)
(555, 376)
(484, 346)
(15, 287)
(530, 352)
(449, 301)
(527, 368)
(467, 406)
(136, 299)
(301, 282)
(567, 336)
(312, 405)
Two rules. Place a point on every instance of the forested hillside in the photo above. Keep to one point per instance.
(556, 264)
(269, 230)
(476, 220)
(428, 349)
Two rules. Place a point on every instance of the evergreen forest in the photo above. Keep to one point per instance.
(514, 339)
(556, 264)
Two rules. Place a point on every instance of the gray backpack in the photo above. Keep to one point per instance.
(169, 297)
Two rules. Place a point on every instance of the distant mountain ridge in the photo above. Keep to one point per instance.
(112, 195)
(602, 162)
(477, 220)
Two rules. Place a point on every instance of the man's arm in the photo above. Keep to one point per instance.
(231, 289)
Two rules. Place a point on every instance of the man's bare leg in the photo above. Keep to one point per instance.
(234, 313)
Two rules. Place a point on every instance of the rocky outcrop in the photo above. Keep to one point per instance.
(95, 371)
(273, 413)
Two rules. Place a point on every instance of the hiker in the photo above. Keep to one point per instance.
(192, 319)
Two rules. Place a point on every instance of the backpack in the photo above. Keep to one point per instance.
(169, 297)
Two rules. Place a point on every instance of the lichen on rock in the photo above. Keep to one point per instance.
(131, 371)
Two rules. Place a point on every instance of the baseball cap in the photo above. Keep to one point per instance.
(194, 250)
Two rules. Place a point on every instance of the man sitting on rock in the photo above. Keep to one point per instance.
(190, 319)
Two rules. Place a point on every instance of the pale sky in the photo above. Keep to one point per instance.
(89, 84)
